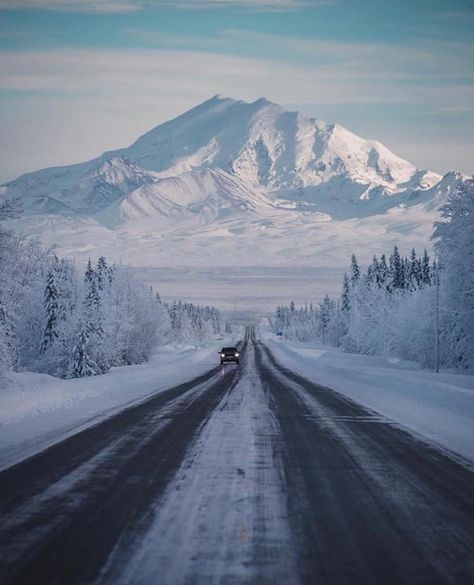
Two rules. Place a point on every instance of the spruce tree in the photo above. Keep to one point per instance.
(94, 322)
(51, 305)
(101, 272)
(425, 269)
(325, 314)
(82, 363)
(414, 271)
(395, 264)
(89, 274)
(383, 273)
(345, 296)
(355, 270)
(372, 271)
(403, 273)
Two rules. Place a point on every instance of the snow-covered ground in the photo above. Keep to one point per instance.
(439, 407)
(37, 410)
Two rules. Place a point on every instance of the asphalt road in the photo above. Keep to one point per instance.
(247, 474)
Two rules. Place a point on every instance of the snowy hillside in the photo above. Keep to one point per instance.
(284, 187)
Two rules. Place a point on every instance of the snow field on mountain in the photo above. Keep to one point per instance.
(437, 407)
(38, 410)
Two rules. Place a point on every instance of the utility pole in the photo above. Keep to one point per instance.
(437, 319)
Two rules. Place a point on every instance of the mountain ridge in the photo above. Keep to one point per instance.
(289, 155)
(283, 186)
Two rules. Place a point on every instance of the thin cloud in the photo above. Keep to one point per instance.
(141, 74)
(117, 6)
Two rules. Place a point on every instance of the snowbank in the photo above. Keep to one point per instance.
(37, 410)
(439, 407)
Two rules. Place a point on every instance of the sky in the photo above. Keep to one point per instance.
(78, 77)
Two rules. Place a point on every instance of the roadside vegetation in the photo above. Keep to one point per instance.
(414, 308)
(58, 320)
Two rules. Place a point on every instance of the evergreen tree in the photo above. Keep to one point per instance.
(383, 273)
(454, 243)
(94, 322)
(414, 271)
(345, 296)
(102, 273)
(325, 315)
(355, 270)
(372, 271)
(51, 305)
(396, 271)
(403, 274)
(82, 362)
(89, 275)
(425, 269)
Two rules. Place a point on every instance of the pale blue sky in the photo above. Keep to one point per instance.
(78, 77)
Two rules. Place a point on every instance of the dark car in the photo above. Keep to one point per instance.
(229, 354)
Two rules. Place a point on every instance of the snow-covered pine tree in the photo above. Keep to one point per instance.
(82, 363)
(94, 321)
(383, 272)
(414, 271)
(325, 315)
(372, 271)
(454, 243)
(345, 296)
(404, 274)
(51, 307)
(396, 270)
(355, 270)
(103, 273)
(425, 273)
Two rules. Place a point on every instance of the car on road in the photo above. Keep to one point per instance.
(229, 354)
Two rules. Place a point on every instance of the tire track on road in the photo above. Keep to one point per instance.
(120, 466)
(368, 502)
(222, 518)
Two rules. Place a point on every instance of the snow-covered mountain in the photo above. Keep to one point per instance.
(278, 183)
(240, 148)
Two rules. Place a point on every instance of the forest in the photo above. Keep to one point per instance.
(413, 308)
(57, 320)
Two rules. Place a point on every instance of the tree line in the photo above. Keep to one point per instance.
(409, 307)
(58, 320)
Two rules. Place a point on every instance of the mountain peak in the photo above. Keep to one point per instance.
(288, 155)
(263, 101)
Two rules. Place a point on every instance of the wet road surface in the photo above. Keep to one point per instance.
(247, 474)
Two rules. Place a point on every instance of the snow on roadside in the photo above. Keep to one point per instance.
(439, 407)
(37, 410)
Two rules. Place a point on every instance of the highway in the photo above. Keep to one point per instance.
(247, 474)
